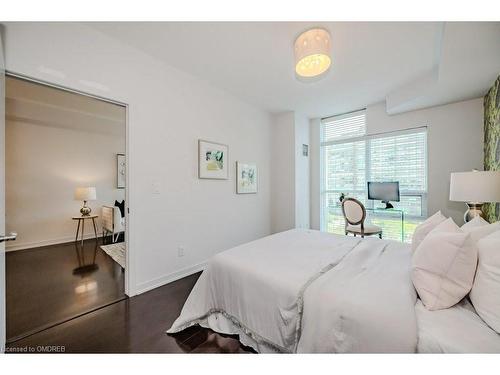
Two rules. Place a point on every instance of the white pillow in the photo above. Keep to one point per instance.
(443, 266)
(482, 231)
(477, 222)
(447, 225)
(424, 228)
(485, 293)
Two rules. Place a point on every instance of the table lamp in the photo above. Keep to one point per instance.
(475, 188)
(85, 194)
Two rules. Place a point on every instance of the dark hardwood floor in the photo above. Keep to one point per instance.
(50, 284)
(134, 325)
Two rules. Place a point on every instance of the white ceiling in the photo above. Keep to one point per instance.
(412, 65)
(42, 105)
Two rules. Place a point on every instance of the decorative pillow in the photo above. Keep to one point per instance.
(479, 232)
(443, 266)
(485, 293)
(424, 228)
(477, 222)
(447, 225)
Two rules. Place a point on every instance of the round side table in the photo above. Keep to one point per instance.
(81, 219)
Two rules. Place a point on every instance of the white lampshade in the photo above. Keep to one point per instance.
(312, 53)
(475, 186)
(85, 194)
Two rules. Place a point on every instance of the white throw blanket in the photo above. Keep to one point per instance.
(307, 291)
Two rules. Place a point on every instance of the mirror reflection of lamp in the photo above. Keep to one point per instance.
(86, 287)
(85, 194)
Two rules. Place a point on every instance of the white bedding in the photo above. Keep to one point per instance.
(365, 305)
(455, 330)
(307, 291)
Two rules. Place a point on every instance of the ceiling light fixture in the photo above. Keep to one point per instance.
(312, 53)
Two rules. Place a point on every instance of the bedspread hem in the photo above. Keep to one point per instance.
(250, 333)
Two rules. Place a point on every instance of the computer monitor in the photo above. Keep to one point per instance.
(384, 191)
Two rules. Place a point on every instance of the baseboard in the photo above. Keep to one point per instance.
(155, 283)
(13, 246)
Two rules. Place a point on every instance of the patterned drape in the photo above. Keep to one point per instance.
(492, 142)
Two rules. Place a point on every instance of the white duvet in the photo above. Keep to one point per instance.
(455, 330)
(308, 291)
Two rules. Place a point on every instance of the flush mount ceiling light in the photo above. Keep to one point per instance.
(312, 53)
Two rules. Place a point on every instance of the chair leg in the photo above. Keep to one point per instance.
(380, 235)
(354, 234)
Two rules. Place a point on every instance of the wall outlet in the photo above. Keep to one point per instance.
(180, 251)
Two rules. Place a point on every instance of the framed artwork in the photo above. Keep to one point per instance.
(212, 160)
(246, 178)
(120, 171)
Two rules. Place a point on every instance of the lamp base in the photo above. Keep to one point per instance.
(473, 210)
(85, 210)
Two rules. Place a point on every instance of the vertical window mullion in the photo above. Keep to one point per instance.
(368, 167)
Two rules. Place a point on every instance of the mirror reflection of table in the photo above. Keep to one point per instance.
(86, 266)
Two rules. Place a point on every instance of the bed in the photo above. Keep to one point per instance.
(305, 291)
(275, 293)
(455, 330)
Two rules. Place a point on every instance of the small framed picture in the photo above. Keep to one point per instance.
(212, 160)
(305, 150)
(120, 171)
(246, 178)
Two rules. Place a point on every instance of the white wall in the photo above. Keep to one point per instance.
(168, 112)
(315, 175)
(290, 172)
(455, 143)
(301, 172)
(283, 172)
(44, 164)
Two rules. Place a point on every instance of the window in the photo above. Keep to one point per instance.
(344, 126)
(350, 158)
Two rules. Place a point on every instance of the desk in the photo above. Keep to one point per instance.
(81, 219)
(397, 228)
(396, 211)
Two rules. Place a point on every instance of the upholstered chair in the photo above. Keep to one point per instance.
(355, 214)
